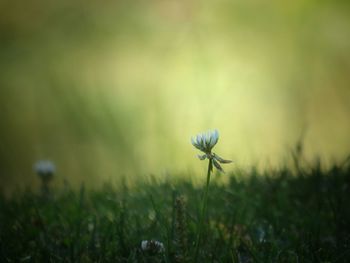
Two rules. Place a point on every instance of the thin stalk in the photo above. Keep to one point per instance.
(203, 210)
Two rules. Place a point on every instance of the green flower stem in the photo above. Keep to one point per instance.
(203, 211)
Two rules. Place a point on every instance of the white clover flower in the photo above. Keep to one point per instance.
(205, 142)
(152, 246)
(45, 166)
(45, 169)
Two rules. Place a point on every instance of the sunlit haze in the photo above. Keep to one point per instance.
(114, 89)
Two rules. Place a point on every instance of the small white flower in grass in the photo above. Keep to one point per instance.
(44, 166)
(152, 246)
(45, 169)
(205, 142)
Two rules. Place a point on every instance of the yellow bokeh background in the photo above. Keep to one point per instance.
(118, 88)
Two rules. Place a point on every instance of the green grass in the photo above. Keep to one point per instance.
(276, 216)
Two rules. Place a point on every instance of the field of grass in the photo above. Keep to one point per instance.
(117, 88)
(275, 216)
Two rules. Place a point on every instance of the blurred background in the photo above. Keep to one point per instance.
(117, 88)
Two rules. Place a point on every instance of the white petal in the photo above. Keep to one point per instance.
(193, 141)
(215, 137)
(205, 141)
(208, 139)
(199, 139)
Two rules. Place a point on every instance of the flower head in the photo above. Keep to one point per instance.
(152, 246)
(205, 142)
(45, 169)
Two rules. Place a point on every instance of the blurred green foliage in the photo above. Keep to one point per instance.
(276, 216)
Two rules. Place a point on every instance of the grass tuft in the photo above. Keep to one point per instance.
(277, 216)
